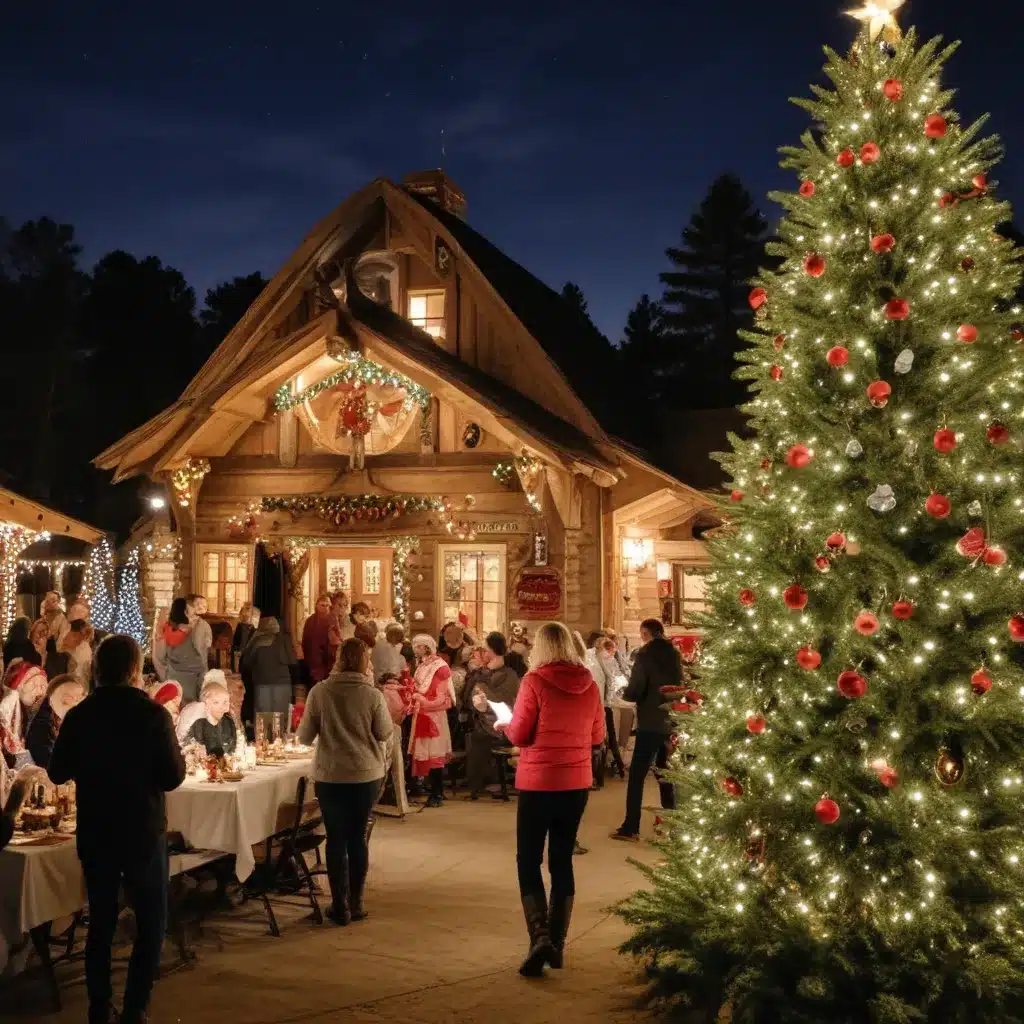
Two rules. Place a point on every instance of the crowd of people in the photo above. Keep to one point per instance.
(353, 686)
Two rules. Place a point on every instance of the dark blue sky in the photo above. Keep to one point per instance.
(214, 134)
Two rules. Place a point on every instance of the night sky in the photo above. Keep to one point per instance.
(214, 134)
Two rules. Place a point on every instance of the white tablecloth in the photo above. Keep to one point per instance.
(232, 816)
(38, 884)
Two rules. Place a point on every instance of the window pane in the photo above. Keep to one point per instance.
(451, 613)
(492, 567)
(371, 576)
(491, 619)
(211, 566)
(339, 574)
(469, 566)
(492, 592)
(233, 594)
(212, 593)
(693, 587)
(417, 307)
(435, 305)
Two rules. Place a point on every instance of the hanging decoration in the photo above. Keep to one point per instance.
(187, 480)
(348, 508)
(403, 547)
(505, 473)
(98, 587)
(530, 470)
(14, 538)
(129, 618)
(357, 370)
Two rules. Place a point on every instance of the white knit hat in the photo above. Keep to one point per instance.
(215, 675)
(425, 640)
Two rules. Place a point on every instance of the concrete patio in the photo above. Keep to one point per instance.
(441, 946)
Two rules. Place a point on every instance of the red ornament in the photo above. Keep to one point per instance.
(814, 264)
(775, 372)
(947, 199)
(980, 180)
(827, 811)
(747, 597)
(837, 356)
(897, 309)
(981, 682)
(778, 341)
(1017, 333)
(938, 506)
(766, 463)
(822, 564)
(846, 158)
(967, 333)
(944, 440)
(935, 126)
(835, 541)
(798, 456)
(866, 623)
(883, 243)
(998, 434)
(967, 264)
(869, 153)
(878, 394)
(994, 556)
(808, 658)
(806, 189)
(732, 786)
(756, 724)
(972, 543)
(1016, 627)
(853, 685)
(358, 513)
(736, 496)
(341, 518)
(795, 597)
(892, 89)
(889, 777)
(757, 298)
(902, 610)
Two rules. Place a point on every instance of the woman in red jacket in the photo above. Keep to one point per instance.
(558, 719)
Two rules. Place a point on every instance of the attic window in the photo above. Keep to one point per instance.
(426, 311)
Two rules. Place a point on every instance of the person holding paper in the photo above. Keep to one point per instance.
(557, 720)
(482, 739)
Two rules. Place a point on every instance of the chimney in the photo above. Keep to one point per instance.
(436, 186)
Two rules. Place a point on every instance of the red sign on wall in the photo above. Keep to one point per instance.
(538, 593)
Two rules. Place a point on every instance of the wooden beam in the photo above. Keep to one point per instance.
(30, 514)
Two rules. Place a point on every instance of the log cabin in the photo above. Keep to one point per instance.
(395, 416)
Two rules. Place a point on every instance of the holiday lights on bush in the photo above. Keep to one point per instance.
(99, 586)
(129, 618)
(852, 818)
(356, 370)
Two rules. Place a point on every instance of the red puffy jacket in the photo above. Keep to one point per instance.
(557, 719)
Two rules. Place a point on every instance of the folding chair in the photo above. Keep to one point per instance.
(284, 876)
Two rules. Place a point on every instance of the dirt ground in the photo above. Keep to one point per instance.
(441, 946)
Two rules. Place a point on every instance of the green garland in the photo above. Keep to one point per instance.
(403, 547)
(340, 510)
(357, 370)
(505, 473)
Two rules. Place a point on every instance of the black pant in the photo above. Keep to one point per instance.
(553, 816)
(480, 747)
(145, 884)
(613, 739)
(435, 779)
(650, 748)
(346, 809)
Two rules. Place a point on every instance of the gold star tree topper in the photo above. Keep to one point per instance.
(878, 16)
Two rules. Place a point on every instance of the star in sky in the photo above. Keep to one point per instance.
(878, 15)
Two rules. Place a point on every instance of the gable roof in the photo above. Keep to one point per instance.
(573, 345)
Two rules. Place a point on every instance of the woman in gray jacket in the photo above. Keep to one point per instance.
(349, 717)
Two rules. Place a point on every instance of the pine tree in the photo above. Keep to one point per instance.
(643, 345)
(576, 301)
(850, 843)
(705, 299)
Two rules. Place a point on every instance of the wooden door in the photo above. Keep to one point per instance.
(364, 573)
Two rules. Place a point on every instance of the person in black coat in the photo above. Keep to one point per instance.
(63, 693)
(18, 645)
(656, 664)
(120, 748)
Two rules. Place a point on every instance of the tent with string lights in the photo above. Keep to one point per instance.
(39, 542)
(408, 415)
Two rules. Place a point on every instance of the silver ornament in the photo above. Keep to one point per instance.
(974, 509)
(883, 500)
(865, 837)
(854, 449)
(856, 725)
(904, 361)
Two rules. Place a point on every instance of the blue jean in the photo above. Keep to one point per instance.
(651, 748)
(145, 883)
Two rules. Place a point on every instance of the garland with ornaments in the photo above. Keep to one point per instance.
(357, 370)
(187, 480)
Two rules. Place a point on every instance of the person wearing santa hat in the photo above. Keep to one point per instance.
(23, 692)
(433, 695)
(168, 696)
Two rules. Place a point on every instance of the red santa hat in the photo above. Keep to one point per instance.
(164, 693)
(20, 672)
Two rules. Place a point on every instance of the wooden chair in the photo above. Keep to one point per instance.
(283, 876)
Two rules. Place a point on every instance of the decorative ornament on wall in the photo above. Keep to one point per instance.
(472, 435)
(443, 258)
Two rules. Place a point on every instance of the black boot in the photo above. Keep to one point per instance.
(338, 912)
(558, 925)
(535, 909)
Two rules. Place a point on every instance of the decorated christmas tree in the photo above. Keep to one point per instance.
(129, 618)
(850, 843)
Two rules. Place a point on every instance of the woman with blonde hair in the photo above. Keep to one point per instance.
(248, 616)
(557, 721)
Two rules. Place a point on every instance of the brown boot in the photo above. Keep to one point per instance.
(558, 926)
(535, 909)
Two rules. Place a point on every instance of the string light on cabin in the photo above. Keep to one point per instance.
(357, 370)
(187, 480)
(14, 538)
